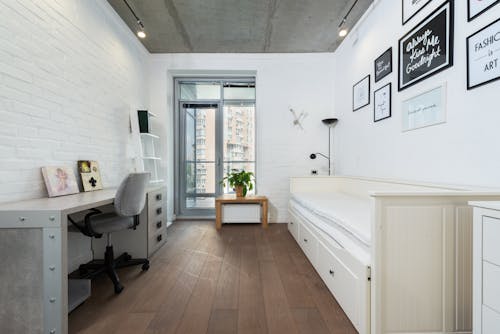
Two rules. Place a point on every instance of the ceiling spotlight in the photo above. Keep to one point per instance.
(343, 29)
(141, 34)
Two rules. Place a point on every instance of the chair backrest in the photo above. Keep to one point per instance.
(130, 197)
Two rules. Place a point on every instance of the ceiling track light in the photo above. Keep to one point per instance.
(140, 31)
(342, 29)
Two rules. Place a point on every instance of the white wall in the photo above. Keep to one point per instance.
(302, 81)
(70, 71)
(461, 151)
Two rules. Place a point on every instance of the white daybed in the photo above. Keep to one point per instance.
(396, 255)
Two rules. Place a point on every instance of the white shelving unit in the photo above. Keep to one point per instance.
(148, 156)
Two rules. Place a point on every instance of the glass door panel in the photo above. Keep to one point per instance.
(239, 138)
(199, 155)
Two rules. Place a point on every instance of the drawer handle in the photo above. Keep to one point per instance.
(158, 211)
(291, 223)
(158, 224)
(305, 240)
(332, 272)
(158, 238)
(158, 197)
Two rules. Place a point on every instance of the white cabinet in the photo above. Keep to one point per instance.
(486, 268)
(150, 234)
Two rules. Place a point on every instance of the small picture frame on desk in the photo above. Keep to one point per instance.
(91, 177)
(59, 180)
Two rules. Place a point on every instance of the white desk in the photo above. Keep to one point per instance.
(33, 248)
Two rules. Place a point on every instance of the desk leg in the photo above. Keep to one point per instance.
(264, 214)
(218, 213)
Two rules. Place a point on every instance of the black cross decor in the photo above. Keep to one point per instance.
(92, 181)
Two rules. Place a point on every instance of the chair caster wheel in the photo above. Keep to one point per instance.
(118, 289)
(128, 257)
(145, 266)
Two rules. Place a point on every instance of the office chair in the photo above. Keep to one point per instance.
(129, 201)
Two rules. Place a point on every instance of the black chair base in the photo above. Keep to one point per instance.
(109, 265)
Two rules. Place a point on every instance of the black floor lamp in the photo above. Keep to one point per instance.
(330, 122)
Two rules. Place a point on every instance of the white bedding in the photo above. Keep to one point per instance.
(344, 218)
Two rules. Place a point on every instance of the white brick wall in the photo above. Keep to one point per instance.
(70, 72)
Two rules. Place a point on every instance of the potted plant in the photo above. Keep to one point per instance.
(241, 182)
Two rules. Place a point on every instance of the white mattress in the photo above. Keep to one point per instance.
(345, 219)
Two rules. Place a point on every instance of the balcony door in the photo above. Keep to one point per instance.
(215, 135)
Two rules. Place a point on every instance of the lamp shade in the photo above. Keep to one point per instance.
(330, 121)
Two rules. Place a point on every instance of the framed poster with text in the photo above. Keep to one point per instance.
(425, 109)
(361, 93)
(383, 65)
(428, 48)
(411, 8)
(477, 7)
(483, 56)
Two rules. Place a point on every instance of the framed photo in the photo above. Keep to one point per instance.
(477, 7)
(59, 180)
(412, 7)
(361, 93)
(91, 177)
(483, 53)
(428, 48)
(425, 109)
(383, 65)
(382, 103)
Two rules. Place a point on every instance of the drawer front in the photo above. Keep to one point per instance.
(156, 197)
(155, 224)
(157, 240)
(293, 227)
(309, 243)
(491, 240)
(340, 281)
(491, 321)
(491, 286)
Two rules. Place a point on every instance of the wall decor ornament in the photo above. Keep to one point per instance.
(361, 93)
(297, 119)
(483, 56)
(412, 7)
(382, 103)
(428, 48)
(477, 7)
(425, 109)
(383, 65)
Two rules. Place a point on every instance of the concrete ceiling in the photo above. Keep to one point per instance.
(240, 26)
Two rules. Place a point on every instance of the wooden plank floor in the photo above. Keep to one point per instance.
(242, 279)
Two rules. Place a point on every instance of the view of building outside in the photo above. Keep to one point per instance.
(238, 129)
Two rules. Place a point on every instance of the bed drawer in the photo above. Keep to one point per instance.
(308, 242)
(293, 227)
(491, 240)
(340, 280)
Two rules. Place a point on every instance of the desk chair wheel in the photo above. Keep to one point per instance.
(145, 266)
(118, 288)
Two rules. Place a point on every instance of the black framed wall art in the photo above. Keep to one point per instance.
(382, 103)
(383, 65)
(428, 48)
(477, 7)
(412, 7)
(483, 56)
(361, 93)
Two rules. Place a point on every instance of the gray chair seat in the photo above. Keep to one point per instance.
(110, 222)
